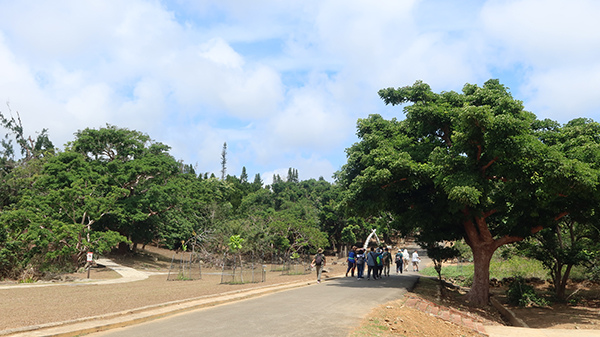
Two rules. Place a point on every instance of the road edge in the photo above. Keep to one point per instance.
(121, 319)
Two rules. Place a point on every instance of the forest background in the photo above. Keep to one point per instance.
(114, 187)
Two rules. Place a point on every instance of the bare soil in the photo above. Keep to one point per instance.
(396, 319)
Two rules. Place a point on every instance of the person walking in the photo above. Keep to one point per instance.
(360, 264)
(372, 264)
(398, 258)
(387, 260)
(319, 262)
(415, 261)
(405, 259)
(379, 262)
(351, 261)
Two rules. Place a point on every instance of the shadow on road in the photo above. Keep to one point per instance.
(406, 281)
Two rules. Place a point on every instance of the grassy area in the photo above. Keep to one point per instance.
(515, 266)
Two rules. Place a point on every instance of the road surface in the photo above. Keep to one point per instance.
(331, 308)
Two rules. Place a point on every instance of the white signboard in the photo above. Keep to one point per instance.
(90, 257)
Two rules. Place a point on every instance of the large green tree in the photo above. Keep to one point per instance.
(51, 224)
(461, 165)
(142, 168)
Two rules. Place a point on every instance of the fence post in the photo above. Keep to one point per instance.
(223, 268)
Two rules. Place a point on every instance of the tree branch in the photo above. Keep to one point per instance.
(560, 216)
(506, 240)
(484, 168)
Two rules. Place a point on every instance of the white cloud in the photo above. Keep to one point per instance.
(310, 121)
(545, 32)
(351, 26)
(88, 32)
(219, 52)
(19, 88)
(556, 46)
(145, 110)
(91, 104)
(565, 93)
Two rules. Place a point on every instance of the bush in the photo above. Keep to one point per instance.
(593, 273)
(521, 294)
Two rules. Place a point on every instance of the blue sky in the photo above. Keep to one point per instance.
(282, 82)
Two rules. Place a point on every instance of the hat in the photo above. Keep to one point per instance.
(320, 250)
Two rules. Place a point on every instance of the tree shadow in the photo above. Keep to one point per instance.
(541, 318)
(406, 281)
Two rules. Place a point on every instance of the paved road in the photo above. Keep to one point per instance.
(328, 309)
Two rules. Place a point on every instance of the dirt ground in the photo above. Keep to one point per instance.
(395, 319)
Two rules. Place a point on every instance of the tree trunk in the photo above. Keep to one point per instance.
(123, 248)
(560, 282)
(483, 245)
(480, 290)
(560, 291)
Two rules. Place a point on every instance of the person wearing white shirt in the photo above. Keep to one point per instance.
(406, 258)
(415, 261)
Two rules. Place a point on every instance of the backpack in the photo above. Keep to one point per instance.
(360, 258)
(386, 257)
(319, 259)
(398, 257)
(378, 259)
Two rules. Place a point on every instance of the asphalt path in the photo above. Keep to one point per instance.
(331, 308)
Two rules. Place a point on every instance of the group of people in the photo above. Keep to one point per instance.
(403, 258)
(378, 262)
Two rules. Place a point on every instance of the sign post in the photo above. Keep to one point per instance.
(90, 258)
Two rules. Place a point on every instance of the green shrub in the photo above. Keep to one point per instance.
(575, 300)
(521, 294)
(593, 273)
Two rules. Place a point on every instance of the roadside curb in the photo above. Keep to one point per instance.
(508, 314)
(139, 315)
